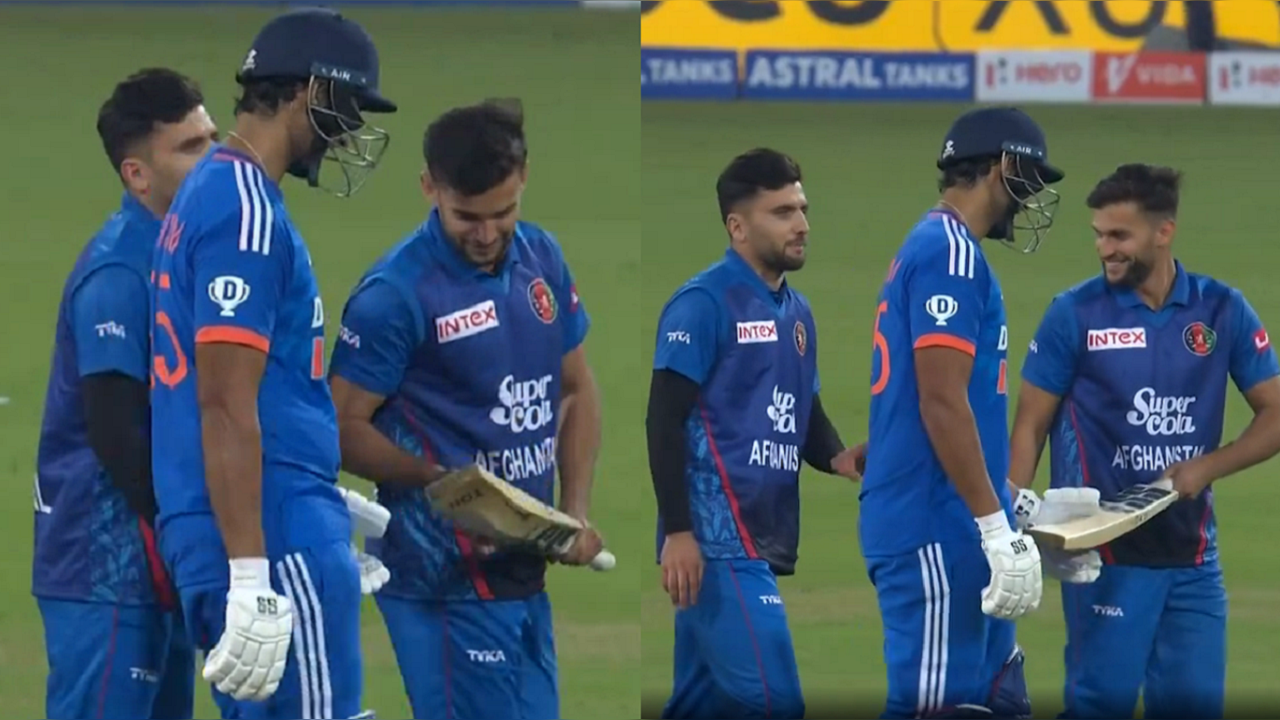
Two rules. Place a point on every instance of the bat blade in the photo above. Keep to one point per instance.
(1115, 517)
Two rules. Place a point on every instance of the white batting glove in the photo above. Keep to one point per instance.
(369, 518)
(373, 574)
(1026, 508)
(1016, 582)
(1074, 568)
(248, 661)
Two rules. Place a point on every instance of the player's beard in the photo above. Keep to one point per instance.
(1136, 274)
(486, 255)
(781, 262)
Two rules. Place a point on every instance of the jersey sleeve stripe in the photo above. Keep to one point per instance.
(233, 336)
(255, 209)
(960, 262)
(947, 341)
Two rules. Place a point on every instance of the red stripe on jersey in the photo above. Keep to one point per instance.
(947, 341)
(1204, 533)
(748, 544)
(233, 336)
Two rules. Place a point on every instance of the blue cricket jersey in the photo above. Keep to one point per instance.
(89, 546)
(1143, 389)
(470, 365)
(753, 353)
(940, 292)
(229, 266)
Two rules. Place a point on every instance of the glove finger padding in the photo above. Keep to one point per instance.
(1016, 577)
(368, 517)
(249, 659)
(1073, 568)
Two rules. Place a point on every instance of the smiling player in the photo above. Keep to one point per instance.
(1127, 379)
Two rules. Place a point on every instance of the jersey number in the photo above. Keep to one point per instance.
(882, 349)
(160, 370)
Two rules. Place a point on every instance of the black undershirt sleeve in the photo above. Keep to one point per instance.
(672, 397)
(118, 415)
(823, 442)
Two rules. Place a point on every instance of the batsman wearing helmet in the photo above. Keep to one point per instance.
(950, 571)
(251, 522)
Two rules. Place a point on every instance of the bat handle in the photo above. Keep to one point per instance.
(604, 561)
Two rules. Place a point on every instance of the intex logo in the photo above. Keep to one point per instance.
(486, 656)
(1117, 339)
(467, 322)
(757, 331)
(782, 411)
(1167, 415)
(525, 405)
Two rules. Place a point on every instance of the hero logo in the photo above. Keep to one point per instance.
(486, 656)
(942, 308)
(525, 404)
(467, 322)
(1167, 415)
(757, 331)
(228, 292)
(782, 412)
(1117, 339)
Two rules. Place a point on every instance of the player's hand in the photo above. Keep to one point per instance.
(1026, 507)
(248, 661)
(583, 549)
(1074, 568)
(1016, 583)
(1189, 478)
(368, 517)
(682, 568)
(851, 463)
(373, 574)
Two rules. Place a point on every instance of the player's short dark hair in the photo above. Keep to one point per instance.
(966, 173)
(1153, 188)
(473, 149)
(145, 99)
(264, 96)
(751, 173)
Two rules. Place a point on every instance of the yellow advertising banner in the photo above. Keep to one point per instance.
(940, 25)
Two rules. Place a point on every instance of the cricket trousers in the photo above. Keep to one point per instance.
(940, 649)
(324, 677)
(1158, 632)
(733, 652)
(475, 659)
(116, 661)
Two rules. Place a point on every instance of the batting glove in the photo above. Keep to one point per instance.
(248, 661)
(1074, 568)
(370, 518)
(1016, 583)
(373, 574)
(1026, 508)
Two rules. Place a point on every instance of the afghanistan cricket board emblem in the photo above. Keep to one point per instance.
(802, 338)
(1199, 338)
(542, 301)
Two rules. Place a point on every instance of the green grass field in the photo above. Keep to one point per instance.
(576, 74)
(869, 173)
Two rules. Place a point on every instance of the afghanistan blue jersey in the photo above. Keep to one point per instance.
(89, 546)
(470, 365)
(940, 292)
(1143, 389)
(230, 267)
(753, 353)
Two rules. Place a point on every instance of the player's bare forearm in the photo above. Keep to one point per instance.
(942, 375)
(1036, 409)
(366, 452)
(1259, 442)
(578, 444)
(228, 379)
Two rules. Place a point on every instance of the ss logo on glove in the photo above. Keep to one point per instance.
(1019, 546)
(267, 606)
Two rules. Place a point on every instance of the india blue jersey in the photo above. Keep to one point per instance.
(753, 352)
(470, 364)
(1143, 389)
(940, 292)
(230, 267)
(89, 546)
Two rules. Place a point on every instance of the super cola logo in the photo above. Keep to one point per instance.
(1152, 77)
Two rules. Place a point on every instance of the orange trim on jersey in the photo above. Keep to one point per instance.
(234, 336)
(947, 341)
(164, 281)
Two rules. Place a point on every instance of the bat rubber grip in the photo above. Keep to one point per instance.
(604, 561)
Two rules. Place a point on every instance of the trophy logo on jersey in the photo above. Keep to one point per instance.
(942, 308)
(228, 292)
(1200, 339)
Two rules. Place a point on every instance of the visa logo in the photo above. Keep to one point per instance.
(757, 331)
(467, 322)
(1117, 339)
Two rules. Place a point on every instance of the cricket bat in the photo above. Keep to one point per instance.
(479, 502)
(1114, 517)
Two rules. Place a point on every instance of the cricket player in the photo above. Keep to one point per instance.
(1127, 379)
(245, 435)
(464, 344)
(733, 410)
(114, 638)
(949, 570)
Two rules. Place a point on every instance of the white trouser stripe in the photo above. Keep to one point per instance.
(937, 620)
(321, 652)
(299, 639)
